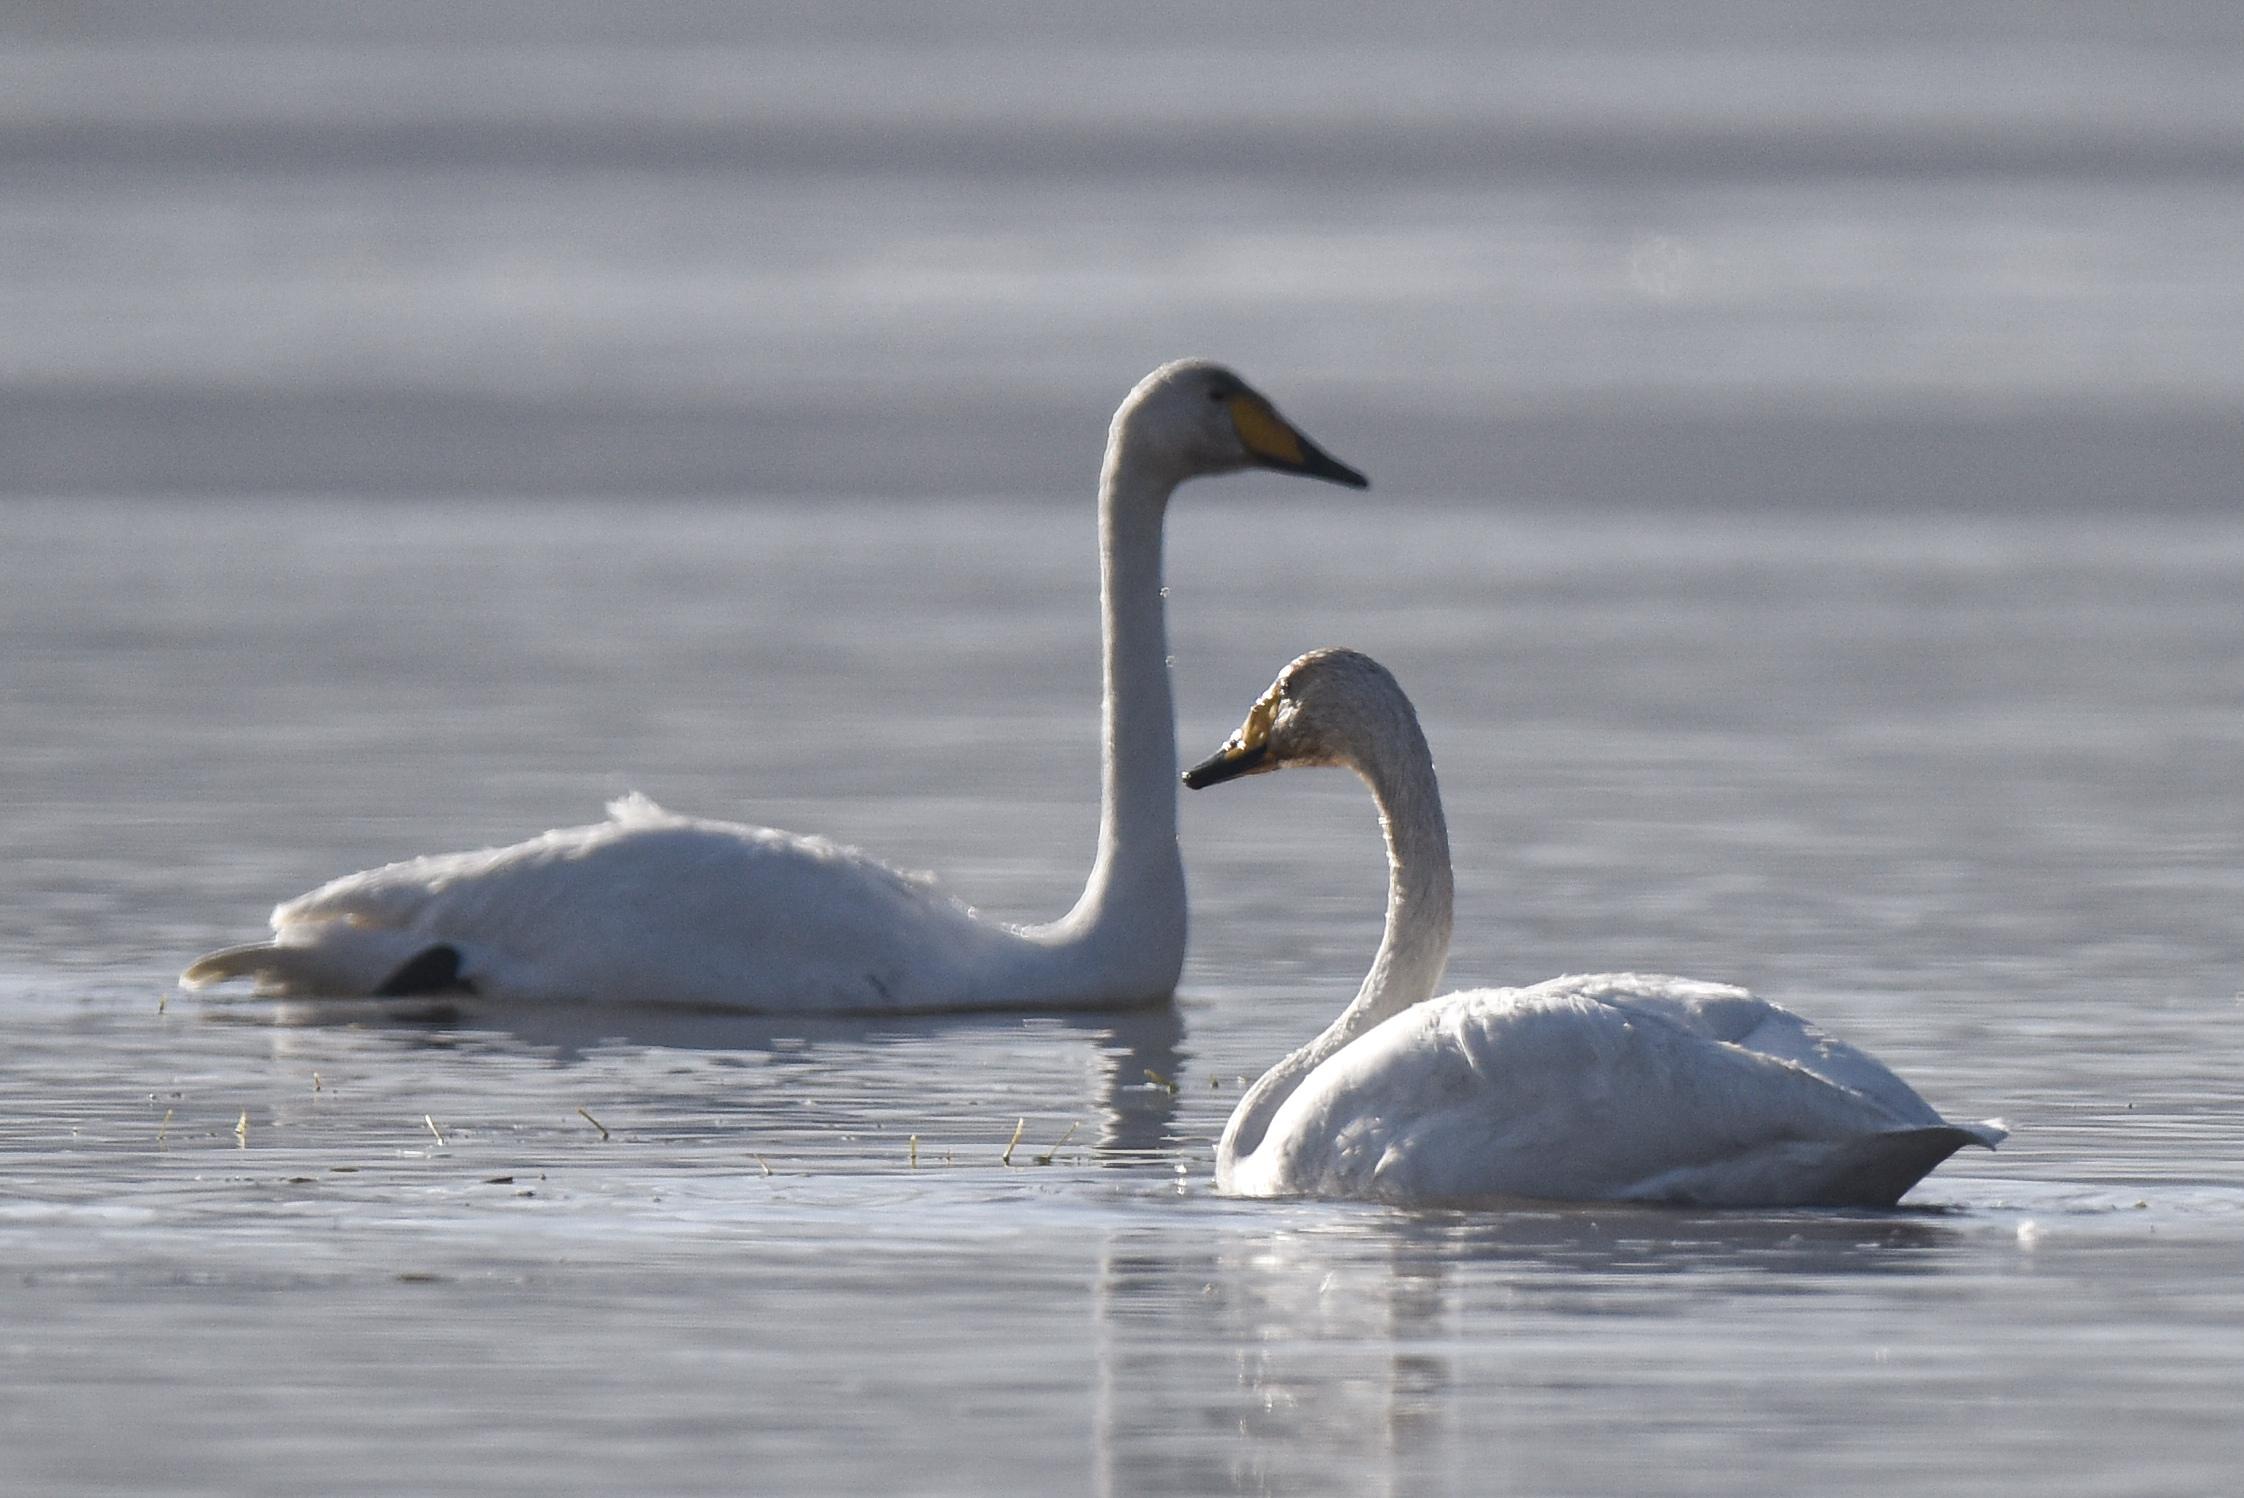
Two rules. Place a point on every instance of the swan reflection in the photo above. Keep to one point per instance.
(1371, 1351)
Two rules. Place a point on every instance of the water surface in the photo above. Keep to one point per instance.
(1961, 791)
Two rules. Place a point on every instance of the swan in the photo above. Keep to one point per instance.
(1612, 1087)
(649, 906)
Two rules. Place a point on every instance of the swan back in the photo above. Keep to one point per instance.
(1606, 1087)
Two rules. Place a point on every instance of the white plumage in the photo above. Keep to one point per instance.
(652, 907)
(1612, 1087)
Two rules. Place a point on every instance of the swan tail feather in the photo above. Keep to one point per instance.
(244, 961)
(1866, 1170)
(1876, 1171)
(337, 960)
(1987, 1133)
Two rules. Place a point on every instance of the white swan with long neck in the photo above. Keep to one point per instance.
(653, 907)
(1613, 1087)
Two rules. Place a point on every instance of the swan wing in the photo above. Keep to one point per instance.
(1593, 1089)
(645, 906)
(1731, 1015)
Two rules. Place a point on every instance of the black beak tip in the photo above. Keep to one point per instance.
(1323, 465)
(1225, 764)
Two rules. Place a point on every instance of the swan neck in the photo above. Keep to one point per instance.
(1421, 887)
(1136, 889)
(1413, 948)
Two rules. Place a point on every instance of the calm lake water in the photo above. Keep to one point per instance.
(1964, 792)
(1807, 459)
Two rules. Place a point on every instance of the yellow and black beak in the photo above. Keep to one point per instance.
(1246, 752)
(1273, 442)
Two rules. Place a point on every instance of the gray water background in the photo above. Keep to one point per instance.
(1806, 450)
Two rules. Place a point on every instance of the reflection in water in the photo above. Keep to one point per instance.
(1357, 1338)
(1137, 1056)
(1621, 1240)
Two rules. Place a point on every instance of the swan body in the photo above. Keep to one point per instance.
(1610, 1087)
(648, 906)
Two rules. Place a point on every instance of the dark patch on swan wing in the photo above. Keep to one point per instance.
(431, 970)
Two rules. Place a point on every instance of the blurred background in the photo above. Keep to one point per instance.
(1956, 256)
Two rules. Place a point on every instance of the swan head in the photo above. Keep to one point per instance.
(1194, 417)
(1329, 707)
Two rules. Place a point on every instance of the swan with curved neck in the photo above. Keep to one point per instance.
(648, 906)
(1612, 1087)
